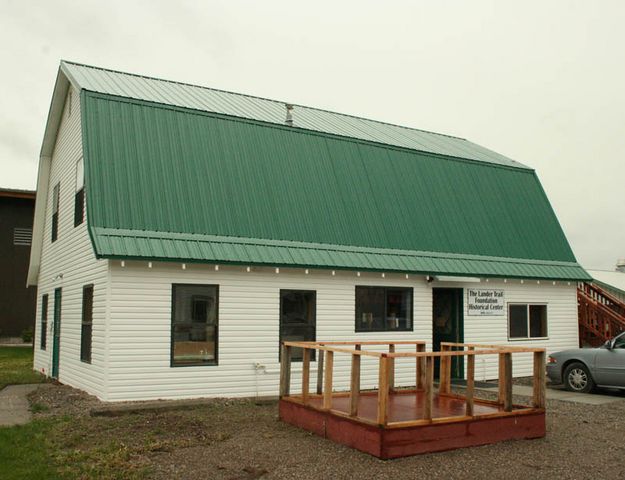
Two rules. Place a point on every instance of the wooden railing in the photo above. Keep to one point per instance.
(424, 375)
(601, 316)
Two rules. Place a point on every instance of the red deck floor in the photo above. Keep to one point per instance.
(406, 406)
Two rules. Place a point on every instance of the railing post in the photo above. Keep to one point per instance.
(444, 372)
(428, 395)
(470, 382)
(320, 372)
(539, 380)
(285, 371)
(420, 367)
(500, 381)
(354, 395)
(327, 383)
(305, 375)
(505, 381)
(391, 368)
(383, 386)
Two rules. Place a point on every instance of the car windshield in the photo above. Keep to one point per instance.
(619, 342)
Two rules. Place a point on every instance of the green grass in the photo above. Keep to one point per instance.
(26, 451)
(65, 447)
(16, 367)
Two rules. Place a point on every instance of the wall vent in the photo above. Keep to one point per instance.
(22, 236)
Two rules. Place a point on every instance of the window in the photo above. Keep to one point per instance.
(382, 309)
(22, 236)
(298, 319)
(87, 323)
(194, 333)
(527, 321)
(55, 211)
(79, 196)
(44, 322)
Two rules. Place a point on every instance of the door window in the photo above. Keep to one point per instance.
(298, 319)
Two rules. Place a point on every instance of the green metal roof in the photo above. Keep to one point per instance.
(133, 244)
(165, 182)
(245, 106)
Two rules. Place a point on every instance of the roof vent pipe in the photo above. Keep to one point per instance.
(289, 115)
(620, 265)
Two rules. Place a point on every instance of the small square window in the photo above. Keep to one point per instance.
(527, 321)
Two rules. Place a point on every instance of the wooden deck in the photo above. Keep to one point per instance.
(406, 406)
(389, 422)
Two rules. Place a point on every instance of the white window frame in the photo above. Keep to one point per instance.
(527, 305)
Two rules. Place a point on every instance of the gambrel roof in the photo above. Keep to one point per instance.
(185, 173)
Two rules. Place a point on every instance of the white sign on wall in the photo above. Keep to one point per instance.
(485, 302)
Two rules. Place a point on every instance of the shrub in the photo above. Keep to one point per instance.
(27, 335)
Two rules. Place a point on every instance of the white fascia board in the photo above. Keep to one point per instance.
(51, 131)
(39, 220)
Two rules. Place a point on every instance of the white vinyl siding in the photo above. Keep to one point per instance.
(249, 308)
(70, 263)
(562, 325)
(249, 304)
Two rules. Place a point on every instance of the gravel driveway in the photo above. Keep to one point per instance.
(236, 439)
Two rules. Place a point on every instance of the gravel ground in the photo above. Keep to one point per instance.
(525, 381)
(236, 439)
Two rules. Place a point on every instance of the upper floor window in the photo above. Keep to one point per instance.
(55, 211)
(382, 309)
(79, 196)
(527, 321)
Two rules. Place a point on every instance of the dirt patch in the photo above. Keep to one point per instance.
(53, 399)
(237, 439)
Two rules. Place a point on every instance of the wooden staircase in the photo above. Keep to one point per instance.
(601, 316)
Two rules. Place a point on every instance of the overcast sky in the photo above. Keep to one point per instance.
(542, 82)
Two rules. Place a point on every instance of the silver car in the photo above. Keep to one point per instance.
(581, 369)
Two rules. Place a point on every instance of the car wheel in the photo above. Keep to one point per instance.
(577, 378)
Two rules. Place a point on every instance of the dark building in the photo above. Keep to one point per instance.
(17, 303)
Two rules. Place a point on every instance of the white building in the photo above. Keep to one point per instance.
(181, 232)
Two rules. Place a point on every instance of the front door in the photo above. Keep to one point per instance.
(56, 338)
(447, 325)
